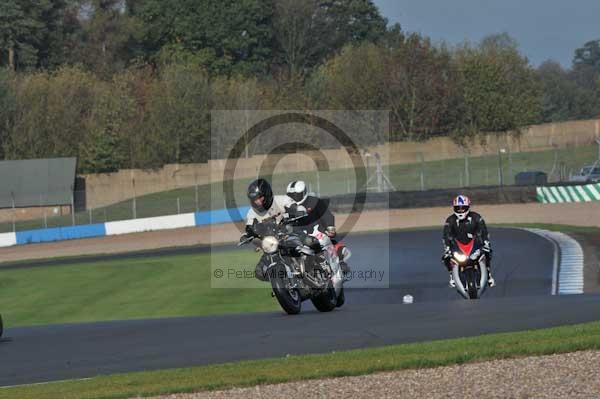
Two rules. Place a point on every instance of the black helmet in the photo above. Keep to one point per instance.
(260, 188)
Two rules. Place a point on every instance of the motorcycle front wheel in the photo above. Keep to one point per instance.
(471, 280)
(289, 299)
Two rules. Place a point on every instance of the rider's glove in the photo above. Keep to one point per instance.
(249, 232)
(447, 253)
(244, 237)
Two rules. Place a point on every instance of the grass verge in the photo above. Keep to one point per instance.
(347, 363)
(159, 286)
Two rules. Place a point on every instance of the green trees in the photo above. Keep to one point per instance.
(35, 33)
(108, 36)
(307, 32)
(588, 55)
(222, 36)
(7, 107)
(574, 93)
(131, 83)
(19, 32)
(178, 124)
(67, 113)
(431, 90)
(420, 87)
(500, 91)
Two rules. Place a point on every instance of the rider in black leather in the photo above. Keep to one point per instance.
(318, 214)
(464, 225)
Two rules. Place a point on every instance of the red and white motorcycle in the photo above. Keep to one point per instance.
(469, 268)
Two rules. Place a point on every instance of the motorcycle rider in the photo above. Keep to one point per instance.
(464, 225)
(264, 205)
(319, 215)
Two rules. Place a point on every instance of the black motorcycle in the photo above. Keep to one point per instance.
(301, 266)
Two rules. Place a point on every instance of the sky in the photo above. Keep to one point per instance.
(544, 29)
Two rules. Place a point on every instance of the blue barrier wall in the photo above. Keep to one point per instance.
(98, 230)
(61, 233)
(221, 216)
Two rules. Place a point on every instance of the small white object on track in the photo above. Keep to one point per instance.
(407, 299)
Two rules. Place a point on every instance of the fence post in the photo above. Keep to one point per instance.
(422, 172)
(133, 203)
(72, 205)
(318, 184)
(178, 206)
(44, 211)
(500, 173)
(554, 166)
(14, 212)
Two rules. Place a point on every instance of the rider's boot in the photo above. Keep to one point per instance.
(345, 270)
(452, 283)
(343, 254)
(491, 281)
(344, 266)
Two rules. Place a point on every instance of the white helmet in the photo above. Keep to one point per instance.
(297, 191)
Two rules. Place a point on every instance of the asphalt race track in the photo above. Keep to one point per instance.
(371, 317)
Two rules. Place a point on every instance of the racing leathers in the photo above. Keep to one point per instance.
(276, 211)
(471, 227)
(320, 217)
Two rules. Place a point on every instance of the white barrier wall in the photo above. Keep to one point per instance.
(8, 239)
(150, 224)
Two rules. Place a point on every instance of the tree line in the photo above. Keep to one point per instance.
(131, 83)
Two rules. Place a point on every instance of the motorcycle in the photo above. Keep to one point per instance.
(301, 266)
(469, 269)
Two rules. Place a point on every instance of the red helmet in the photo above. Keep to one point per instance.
(461, 205)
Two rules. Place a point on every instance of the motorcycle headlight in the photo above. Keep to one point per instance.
(270, 244)
(460, 257)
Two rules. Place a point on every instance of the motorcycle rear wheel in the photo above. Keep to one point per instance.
(326, 301)
(341, 299)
